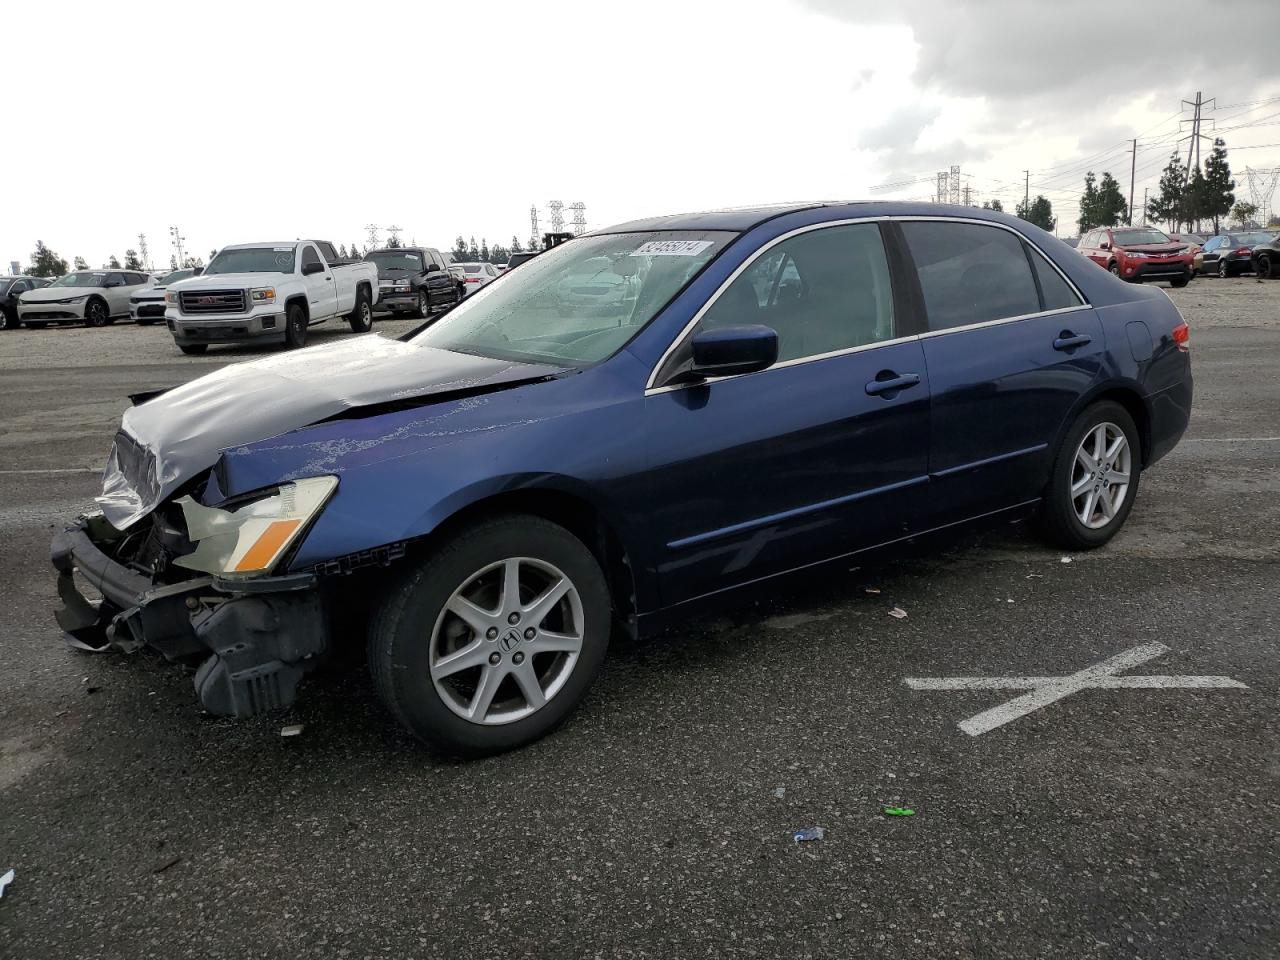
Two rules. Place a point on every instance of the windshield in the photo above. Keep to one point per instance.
(1252, 239)
(94, 279)
(1127, 238)
(579, 302)
(175, 277)
(252, 260)
(388, 260)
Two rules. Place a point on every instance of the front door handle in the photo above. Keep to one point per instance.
(1069, 341)
(890, 382)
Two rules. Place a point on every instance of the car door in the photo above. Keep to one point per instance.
(437, 278)
(322, 296)
(116, 292)
(1010, 346)
(820, 455)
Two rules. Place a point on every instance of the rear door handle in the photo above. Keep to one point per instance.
(1069, 341)
(889, 381)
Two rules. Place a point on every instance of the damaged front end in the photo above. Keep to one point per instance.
(194, 583)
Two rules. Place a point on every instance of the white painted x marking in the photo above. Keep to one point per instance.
(1046, 690)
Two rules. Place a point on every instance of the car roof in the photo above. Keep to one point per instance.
(401, 250)
(264, 243)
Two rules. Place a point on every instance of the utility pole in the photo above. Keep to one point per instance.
(176, 237)
(533, 221)
(967, 192)
(373, 235)
(1133, 166)
(1026, 192)
(1144, 206)
(940, 192)
(143, 253)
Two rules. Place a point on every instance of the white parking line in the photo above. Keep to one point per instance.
(1046, 690)
(52, 470)
(1230, 439)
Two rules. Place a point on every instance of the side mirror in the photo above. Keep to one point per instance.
(729, 350)
(432, 268)
(309, 268)
(1104, 245)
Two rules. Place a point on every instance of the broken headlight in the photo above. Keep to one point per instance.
(247, 541)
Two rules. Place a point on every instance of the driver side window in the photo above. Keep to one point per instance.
(309, 256)
(823, 291)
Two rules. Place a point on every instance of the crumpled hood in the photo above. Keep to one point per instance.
(173, 437)
(54, 294)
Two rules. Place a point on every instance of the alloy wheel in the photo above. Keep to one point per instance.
(1100, 475)
(95, 315)
(1222, 269)
(506, 641)
(1264, 268)
(424, 303)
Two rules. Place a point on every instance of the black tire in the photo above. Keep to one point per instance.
(1180, 282)
(402, 633)
(8, 319)
(193, 349)
(424, 303)
(295, 327)
(36, 324)
(462, 293)
(1224, 271)
(361, 316)
(96, 313)
(1264, 267)
(1114, 268)
(1058, 520)
(145, 321)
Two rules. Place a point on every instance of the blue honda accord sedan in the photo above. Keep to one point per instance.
(632, 425)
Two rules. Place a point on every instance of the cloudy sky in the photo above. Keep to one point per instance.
(250, 121)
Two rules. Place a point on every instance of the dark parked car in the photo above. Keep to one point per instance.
(1230, 254)
(10, 288)
(524, 256)
(778, 388)
(414, 279)
(1266, 258)
(1139, 254)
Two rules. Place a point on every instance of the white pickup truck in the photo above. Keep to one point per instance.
(270, 292)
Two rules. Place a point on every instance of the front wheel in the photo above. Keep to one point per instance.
(193, 349)
(492, 640)
(96, 314)
(1264, 268)
(1223, 270)
(295, 327)
(424, 304)
(361, 317)
(1180, 282)
(8, 319)
(1094, 480)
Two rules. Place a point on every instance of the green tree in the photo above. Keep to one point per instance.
(393, 242)
(484, 250)
(113, 263)
(81, 264)
(1111, 206)
(192, 262)
(995, 205)
(1088, 203)
(46, 263)
(516, 245)
(173, 261)
(1167, 205)
(459, 251)
(1193, 200)
(473, 252)
(342, 251)
(1039, 211)
(1216, 198)
(131, 261)
(355, 251)
(1244, 212)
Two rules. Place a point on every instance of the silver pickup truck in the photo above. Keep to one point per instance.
(270, 292)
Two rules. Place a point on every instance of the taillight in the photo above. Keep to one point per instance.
(1182, 337)
(1243, 251)
(473, 279)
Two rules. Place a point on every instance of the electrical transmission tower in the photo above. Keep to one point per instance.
(533, 227)
(1199, 105)
(176, 238)
(941, 193)
(143, 253)
(579, 218)
(1262, 187)
(393, 236)
(968, 192)
(557, 215)
(372, 229)
(954, 181)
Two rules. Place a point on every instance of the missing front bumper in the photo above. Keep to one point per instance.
(253, 640)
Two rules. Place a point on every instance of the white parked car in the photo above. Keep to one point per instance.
(92, 297)
(476, 275)
(146, 306)
(270, 292)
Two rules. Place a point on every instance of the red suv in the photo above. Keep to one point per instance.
(1139, 253)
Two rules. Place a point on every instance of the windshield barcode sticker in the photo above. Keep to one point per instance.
(672, 248)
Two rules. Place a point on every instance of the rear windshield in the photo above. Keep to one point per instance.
(579, 302)
(175, 277)
(1253, 239)
(473, 267)
(1146, 235)
(252, 260)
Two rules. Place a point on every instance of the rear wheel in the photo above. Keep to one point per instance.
(1223, 270)
(493, 639)
(192, 349)
(8, 319)
(1094, 480)
(361, 317)
(295, 326)
(96, 313)
(36, 324)
(1264, 267)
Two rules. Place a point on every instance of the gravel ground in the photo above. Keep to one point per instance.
(657, 823)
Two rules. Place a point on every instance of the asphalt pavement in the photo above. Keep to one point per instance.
(1117, 818)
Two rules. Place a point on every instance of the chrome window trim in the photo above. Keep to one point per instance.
(651, 390)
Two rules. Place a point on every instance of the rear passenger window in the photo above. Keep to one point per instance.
(970, 273)
(822, 291)
(1056, 293)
